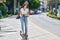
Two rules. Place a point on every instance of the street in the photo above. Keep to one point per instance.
(49, 24)
(43, 20)
(40, 27)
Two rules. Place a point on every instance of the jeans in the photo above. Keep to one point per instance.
(24, 24)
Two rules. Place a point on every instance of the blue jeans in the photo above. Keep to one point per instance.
(24, 24)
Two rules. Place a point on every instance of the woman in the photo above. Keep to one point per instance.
(24, 13)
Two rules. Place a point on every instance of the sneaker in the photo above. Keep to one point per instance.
(21, 33)
(26, 34)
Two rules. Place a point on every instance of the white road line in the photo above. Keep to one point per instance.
(36, 26)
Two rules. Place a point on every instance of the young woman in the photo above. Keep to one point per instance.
(24, 13)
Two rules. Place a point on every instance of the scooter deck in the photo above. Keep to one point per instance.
(24, 36)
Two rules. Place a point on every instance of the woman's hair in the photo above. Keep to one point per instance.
(24, 5)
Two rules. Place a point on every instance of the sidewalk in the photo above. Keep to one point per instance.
(11, 31)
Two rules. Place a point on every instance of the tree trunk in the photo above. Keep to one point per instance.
(15, 6)
(56, 7)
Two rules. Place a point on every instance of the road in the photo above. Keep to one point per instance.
(47, 23)
(39, 27)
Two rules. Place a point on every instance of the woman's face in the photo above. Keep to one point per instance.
(25, 6)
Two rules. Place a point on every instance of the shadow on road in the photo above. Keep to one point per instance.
(14, 16)
(1, 35)
(36, 14)
(8, 31)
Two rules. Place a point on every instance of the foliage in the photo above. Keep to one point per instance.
(10, 5)
(52, 12)
(4, 10)
(58, 1)
(53, 16)
(9, 2)
(33, 4)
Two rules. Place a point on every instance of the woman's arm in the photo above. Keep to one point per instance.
(20, 14)
(28, 14)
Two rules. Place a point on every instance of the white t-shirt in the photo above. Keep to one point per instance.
(24, 11)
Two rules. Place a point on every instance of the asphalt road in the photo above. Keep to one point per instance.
(11, 29)
(47, 23)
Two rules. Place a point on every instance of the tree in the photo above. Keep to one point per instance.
(58, 1)
(10, 5)
(51, 3)
(54, 4)
(33, 4)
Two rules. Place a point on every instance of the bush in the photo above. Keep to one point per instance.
(53, 16)
(4, 10)
(51, 12)
(58, 18)
(9, 14)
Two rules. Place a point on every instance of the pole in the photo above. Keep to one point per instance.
(15, 6)
(0, 28)
(56, 6)
(18, 5)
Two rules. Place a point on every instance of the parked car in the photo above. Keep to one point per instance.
(31, 12)
(37, 11)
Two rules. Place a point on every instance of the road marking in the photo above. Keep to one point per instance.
(36, 26)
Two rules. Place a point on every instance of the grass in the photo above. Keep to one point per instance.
(53, 16)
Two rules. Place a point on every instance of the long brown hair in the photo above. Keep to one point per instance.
(24, 5)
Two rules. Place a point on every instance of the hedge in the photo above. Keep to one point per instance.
(53, 16)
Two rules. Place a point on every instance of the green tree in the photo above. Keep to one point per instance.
(4, 10)
(10, 4)
(58, 1)
(33, 4)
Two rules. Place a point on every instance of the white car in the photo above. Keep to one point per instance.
(38, 11)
